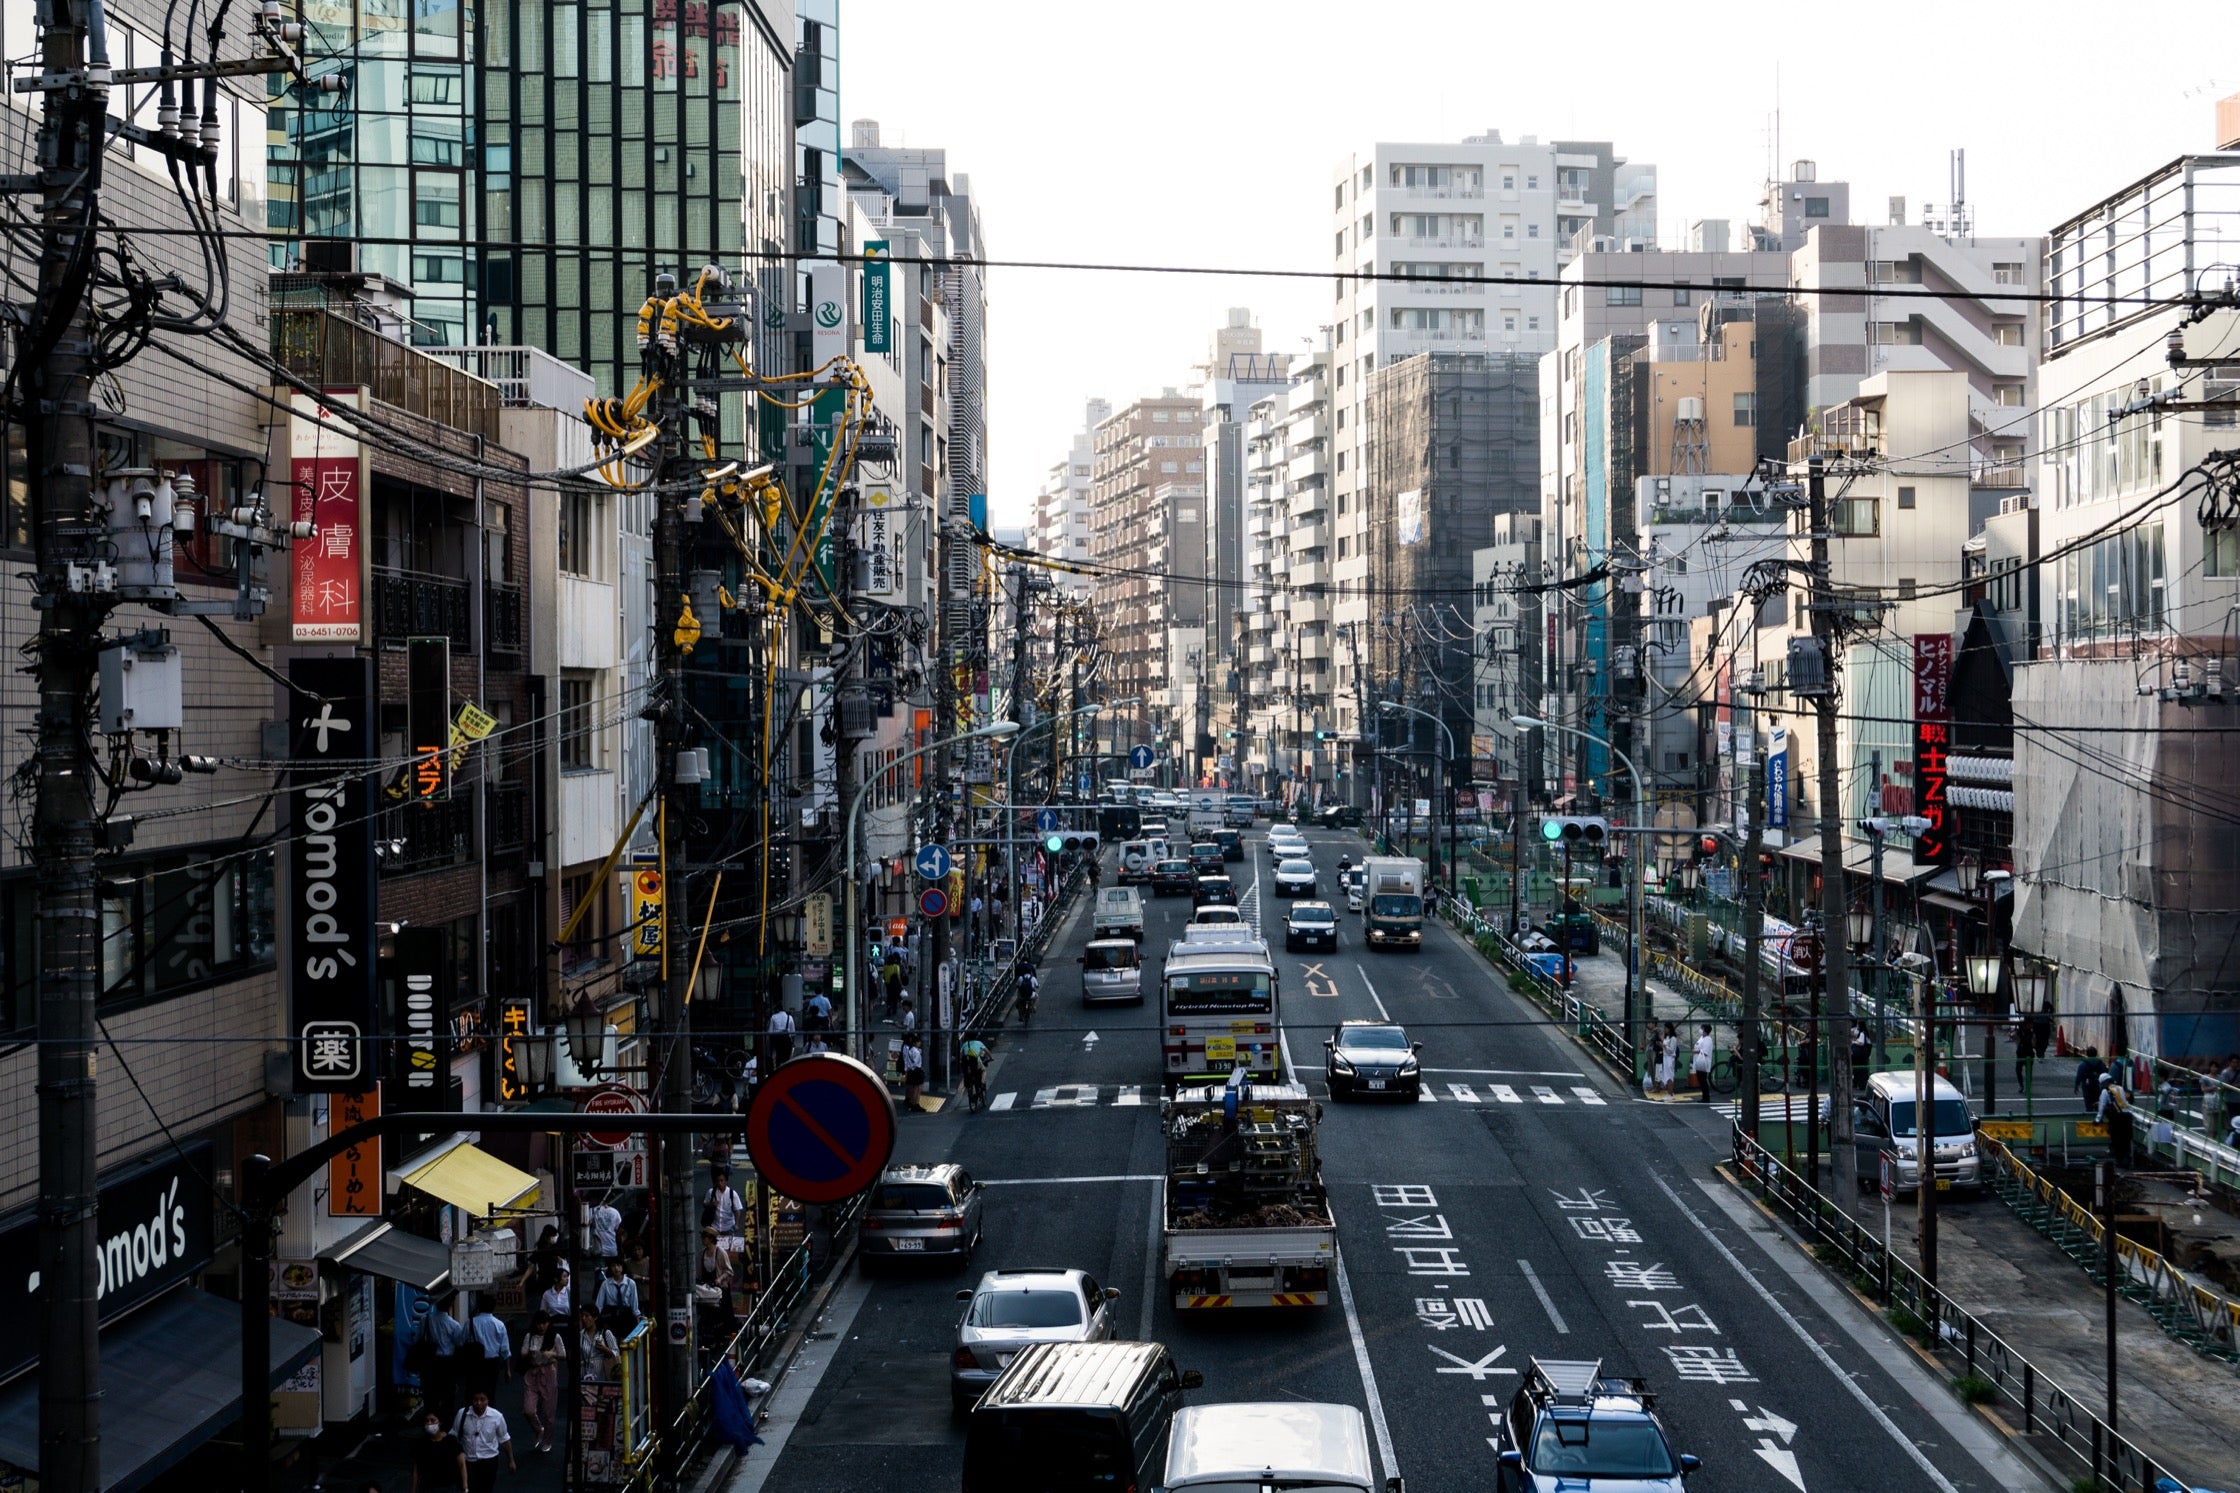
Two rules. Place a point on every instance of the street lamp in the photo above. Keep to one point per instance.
(1011, 795)
(1437, 784)
(1633, 893)
(859, 1009)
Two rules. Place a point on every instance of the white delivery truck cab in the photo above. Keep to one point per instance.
(1280, 1444)
(1119, 913)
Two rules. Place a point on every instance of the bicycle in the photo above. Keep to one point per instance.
(975, 1087)
(1773, 1072)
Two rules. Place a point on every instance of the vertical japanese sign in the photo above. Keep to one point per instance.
(354, 1182)
(326, 474)
(330, 979)
(1777, 779)
(510, 1058)
(877, 319)
(880, 539)
(422, 1058)
(816, 924)
(1932, 743)
(828, 313)
(645, 912)
(428, 717)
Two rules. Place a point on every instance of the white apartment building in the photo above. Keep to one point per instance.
(1060, 524)
(1469, 227)
(1287, 681)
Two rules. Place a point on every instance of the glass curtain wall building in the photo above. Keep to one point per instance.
(525, 167)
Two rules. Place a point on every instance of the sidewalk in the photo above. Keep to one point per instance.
(382, 1459)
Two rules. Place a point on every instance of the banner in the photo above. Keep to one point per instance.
(1777, 779)
(645, 912)
(354, 1182)
(331, 951)
(879, 537)
(422, 1065)
(327, 482)
(878, 325)
(816, 924)
(515, 1021)
(1932, 742)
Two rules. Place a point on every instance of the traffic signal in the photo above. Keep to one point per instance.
(1707, 846)
(1059, 841)
(1577, 831)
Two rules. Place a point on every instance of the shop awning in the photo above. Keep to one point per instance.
(392, 1254)
(1858, 855)
(471, 1178)
(171, 1372)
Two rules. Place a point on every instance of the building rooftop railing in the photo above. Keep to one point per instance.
(330, 351)
(527, 377)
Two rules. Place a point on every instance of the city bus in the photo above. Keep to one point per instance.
(1217, 1010)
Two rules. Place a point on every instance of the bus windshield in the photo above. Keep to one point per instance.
(1215, 991)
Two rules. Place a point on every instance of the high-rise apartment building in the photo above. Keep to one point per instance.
(1287, 633)
(1235, 376)
(1147, 521)
(1061, 525)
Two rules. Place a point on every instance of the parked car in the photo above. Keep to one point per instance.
(922, 1211)
(1372, 1057)
(1310, 925)
(1206, 858)
(1010, 1311)
(1295, 878)
(1570, 1425)
(1231, 843)
(1171, 877)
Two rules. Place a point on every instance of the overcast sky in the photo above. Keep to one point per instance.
(1205, 134)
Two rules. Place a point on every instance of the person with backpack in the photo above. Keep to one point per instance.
(722, 1209)
(2090, 1072)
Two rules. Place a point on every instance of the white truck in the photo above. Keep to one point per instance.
(1392, 902)
(1247, 1218)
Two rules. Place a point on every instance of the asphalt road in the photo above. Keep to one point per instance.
(1530, 1208)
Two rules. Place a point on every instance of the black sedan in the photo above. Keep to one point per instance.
(1172, 876)
(1372, 1057)
(1205, 858)
(1310, 925)
(1211, 891)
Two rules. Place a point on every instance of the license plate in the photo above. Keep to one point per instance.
(1944, 1184)
(909, 1244)
(1376, 1083)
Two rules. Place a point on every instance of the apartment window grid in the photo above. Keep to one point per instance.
(579, 743)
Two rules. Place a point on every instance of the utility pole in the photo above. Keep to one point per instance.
(1874, 972)
(1753, 930)
(54, 399)
(1836, 960)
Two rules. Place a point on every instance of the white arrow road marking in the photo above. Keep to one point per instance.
(1781, 1460)
(1766, 1420)
(1479, 1371)
(1089, 1042)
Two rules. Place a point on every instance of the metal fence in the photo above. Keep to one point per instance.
(1603, 1036)
(2053, 1415)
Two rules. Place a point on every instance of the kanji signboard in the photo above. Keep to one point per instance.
(326, 475)
(354, 1184)
(1932, 744)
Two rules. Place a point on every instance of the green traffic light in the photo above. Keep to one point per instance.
(1053, 843)
(1551, 830)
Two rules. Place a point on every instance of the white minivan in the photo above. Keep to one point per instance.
(1272, 1445)
(1882, 1120)
(1111, 970)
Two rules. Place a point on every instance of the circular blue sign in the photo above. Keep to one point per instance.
(1140, 757)
(932, 862)
(1047, 820)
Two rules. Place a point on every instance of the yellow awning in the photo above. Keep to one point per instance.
(475, 1180)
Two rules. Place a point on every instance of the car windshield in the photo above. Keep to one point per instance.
(1174, 868)
(1311, 915)
(1111, 956)
(1219, 913)
(1045, 1308)
(1205, 847)
(909, 1197)
(1394, 906)
(1950, 1115)
(1382, 1037)
(1575, 1448)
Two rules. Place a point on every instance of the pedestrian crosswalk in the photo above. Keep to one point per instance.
(1140, 1096)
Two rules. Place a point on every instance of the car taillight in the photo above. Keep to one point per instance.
(963, 1359)
(874, 1223)
(949, 1221)
(1178, 1031)
(1261, 1030)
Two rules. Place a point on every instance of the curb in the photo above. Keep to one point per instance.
(2016, 1441)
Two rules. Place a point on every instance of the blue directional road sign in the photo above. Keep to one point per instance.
(1046, 820)
(932, 862)
(1140, 757)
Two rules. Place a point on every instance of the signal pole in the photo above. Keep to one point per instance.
(1834, 898)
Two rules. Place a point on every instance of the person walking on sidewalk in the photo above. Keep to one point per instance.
(2089, 1074)
(1668, 1058)
(913, 1073)
(1862, 1053)
(439, 1463)
(543, 1349)
(782, 1028)
(484, 1438)
(1700, 1069)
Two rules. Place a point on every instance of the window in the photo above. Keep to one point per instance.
(588, 945)
(1905, 497)
(1532, 183)
(1895, 333)
(2007, 396)
(579, 747)
(1622, 295)
(577, 531)
(1532, 323)
(1746, 408)
(1905, 588)
(1168, 466)
(1368, 227)
(1338, 195)
(1854, 518)
(2006, 274)
(1341, 247)
(1508, 181)
(1816, 207)
(2220, 554)
(1159, 417)
(1680, 296)
(2005, 333)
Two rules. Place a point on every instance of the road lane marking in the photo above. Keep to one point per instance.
(1385, 1458)
(1505, 1094)
(1426, 1095)
(1382, 1013)
(1812, 1344)
(1510, 1072)
(1547, 1302)
(1463, 1093)
(1130, 1095)
(1588, 1096)
(1153, 1250)
(1545, 1094)
(1066, 1096)
(1003, 1101)
(1068, 1181)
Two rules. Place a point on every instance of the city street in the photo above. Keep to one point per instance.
(1526, 1207)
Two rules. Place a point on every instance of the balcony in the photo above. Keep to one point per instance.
(502, 614)
(527, 377)
(410, 604)
(1442, 241)
(330, 351)
(426, 837)
(2000, 474)
(1440, 194)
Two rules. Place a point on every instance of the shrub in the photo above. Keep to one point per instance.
(1975, 1389)
(1909, 1324)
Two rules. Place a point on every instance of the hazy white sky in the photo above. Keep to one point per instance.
(1205, 134)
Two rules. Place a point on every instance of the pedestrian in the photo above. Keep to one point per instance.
(908, 1020)
(711, 1287)
(816, 1012)
(558, 1301)
(604, 1224)
(483, 1437)
(913, 1073)
(750, 1079)
(544, 1347)
(1700, 1070)
(1668, 1058)
(782, 1028)
(2116, 1114)
(2229, 1074)
(979, 910)
(538, 1264)
(439, 1463)
(597, 1353)
(722, 1209)
(2089, 1074)
(1862, 1053)
(496, 1343)
(440, 1385)
(890, 979)
(617, 1300)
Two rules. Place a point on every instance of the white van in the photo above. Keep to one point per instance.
(1281, 1445)
(1119, 913)
(1882, 1120)
(1111, 970)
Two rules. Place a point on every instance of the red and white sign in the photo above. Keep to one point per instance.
(611, 1099)
(326, 472)
(1932, 742)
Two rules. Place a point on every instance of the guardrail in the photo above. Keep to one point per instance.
(2192, 1313)
(1601, 1035)
(1954, 1336)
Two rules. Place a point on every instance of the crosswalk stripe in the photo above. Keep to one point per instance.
(1505, 1094)
(1587, 1096)
(1463, 1092)
(1427, 1095)
(1132, 1094)
(1545, 1094)
(1003, 1101)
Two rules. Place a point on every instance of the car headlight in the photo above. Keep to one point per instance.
(1339, 1061)
(1407, 1065)
(1967, 1148)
